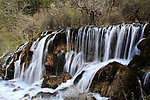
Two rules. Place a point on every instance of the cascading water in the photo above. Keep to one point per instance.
(34, 71)
(88, 50)
(97, 46)
(36, 68)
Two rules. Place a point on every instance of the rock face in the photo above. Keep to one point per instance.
(141, 63)
(144, 45)
(55, 59)
(10, 72)
(26, 55)
(53, 82)
(147, 30)
(116, 81)
(1, 71)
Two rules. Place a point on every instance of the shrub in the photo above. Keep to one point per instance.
(62, 15)
(137, 10)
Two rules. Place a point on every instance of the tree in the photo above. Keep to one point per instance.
(95, 8)
(137, 10)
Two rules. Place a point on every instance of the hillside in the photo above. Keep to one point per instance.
(21, 20)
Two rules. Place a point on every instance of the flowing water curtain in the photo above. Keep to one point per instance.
(98, 45)
(35, 69)
(89, 49)
(84, 46)
(106, 43)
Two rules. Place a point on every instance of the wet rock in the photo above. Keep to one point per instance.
(59, 48)
(53, 82)
(55, 59)
(78, 77)
(59, 39)
(26, 55)
(147, 30)
(144, 46)
(141, 63)
(73, 93)
(59, 62)
(49, 60)
(10, 71)
(26, 58)
(16, 55)
(26, 95)
(116, 81)
(146, 84)
(17, 89)
(54, 63)
(45, 95)
(49, 65)
(1, 72)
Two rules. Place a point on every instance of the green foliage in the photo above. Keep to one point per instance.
(128, 12)
(54, 14)
(9, 41)
(137, 10)
(63, 15)
(32, 6)
(8, 14)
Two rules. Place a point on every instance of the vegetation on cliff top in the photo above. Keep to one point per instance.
(23, 19)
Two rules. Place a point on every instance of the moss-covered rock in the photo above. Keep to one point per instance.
(144, 46)
(147, 30)
(141, 63)
(116, 81)
(1, 71)
(55, 58)
(53, 82)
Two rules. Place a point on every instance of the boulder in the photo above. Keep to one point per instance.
(147, 30)
(116, 81)
(53, 82)
(44, 95)
(141, 63)
(144, 46)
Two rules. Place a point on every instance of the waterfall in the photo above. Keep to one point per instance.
(97, 46)
(36, 68)
(34, 71)
(17, 67)
(89, 49)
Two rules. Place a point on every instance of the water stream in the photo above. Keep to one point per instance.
(88, 50)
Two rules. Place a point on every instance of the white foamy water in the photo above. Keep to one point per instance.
(18, 89)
